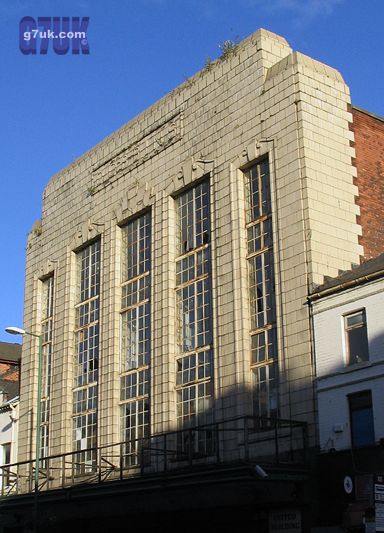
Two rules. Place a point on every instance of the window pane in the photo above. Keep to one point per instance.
(135, 342)
(89, 271)
(358, 345)
(265, 390)
(261, 286)
(258, 185)
(356, 319)
(134, 423)
(193, 218)
(356, 338)
(136, 247)
(264, 346)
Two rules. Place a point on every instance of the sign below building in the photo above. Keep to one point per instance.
(285, 521)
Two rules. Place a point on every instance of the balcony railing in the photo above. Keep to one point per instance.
(274, 442)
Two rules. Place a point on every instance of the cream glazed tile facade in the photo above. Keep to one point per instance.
(263, 101)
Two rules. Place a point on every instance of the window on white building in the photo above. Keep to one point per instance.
(6, 459)
(361, 416)
(194, 369)
(356, 339)
(264, 365)
(86, 367)
(135, 337)
(47, 331)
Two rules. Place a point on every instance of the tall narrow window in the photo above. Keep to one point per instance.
(361, 415)
(85, 392)
(46, 371)
(194, 370)
(6, 477)
(135, 337)
(355, 326)
(262, 292)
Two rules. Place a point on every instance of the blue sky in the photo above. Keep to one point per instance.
(55, 107)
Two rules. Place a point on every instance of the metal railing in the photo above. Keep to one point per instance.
(238, 440)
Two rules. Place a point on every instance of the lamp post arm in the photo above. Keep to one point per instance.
(32, 334)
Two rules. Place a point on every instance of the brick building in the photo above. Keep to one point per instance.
(168, 276)
(369, 144)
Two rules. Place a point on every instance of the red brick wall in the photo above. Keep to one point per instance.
(369, 145)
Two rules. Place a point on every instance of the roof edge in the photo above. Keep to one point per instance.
(369, 113)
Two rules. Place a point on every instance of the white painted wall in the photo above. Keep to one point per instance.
(335, 380)
(9, 421)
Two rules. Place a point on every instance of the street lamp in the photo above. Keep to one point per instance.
(19, 331)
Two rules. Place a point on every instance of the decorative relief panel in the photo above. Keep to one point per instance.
(191, 170)
(46, 269)
(140, 196)
(154, 142)
(87, 231)
(135, 199)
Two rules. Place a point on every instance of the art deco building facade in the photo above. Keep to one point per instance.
(170, 270)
